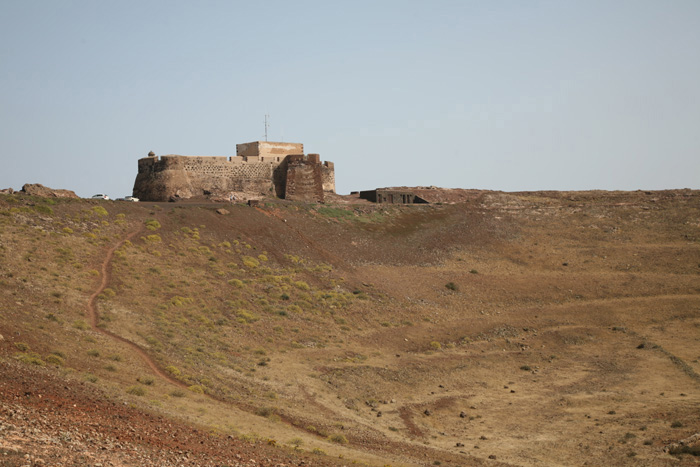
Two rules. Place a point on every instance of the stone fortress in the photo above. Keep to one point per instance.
(259, 169)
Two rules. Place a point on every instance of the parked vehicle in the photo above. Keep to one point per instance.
(100, 196)
(128, 198)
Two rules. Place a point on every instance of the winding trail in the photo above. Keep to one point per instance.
(106, 274)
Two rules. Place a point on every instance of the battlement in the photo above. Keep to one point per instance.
(259, 168)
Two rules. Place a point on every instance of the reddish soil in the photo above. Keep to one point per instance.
(49, 421)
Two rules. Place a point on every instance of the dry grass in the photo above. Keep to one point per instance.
(523, 312)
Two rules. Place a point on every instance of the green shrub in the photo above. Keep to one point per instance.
(180, 301)
(100, 211)
(93, 353)
(173, 370)
(338, 213)
(147, 380)
(31, 358)
(250, 262)
(90, 378)
(136, 390)
(338, 438)
(21, 346)
(55, 360)
(152, 224)
(196, 388)
(236, 283)
(296, 442)
(526, 368)
(41, 209)
(452, 286)
(265, 411)
(245, 316)
(435, 345)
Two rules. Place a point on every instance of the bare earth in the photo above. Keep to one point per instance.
(487, 328)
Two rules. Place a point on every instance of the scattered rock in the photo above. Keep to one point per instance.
(37, 189)
(426, 412)
(222, 211)
(459, 445)
(462, 415)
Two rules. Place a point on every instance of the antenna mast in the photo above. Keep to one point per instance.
(267, 125)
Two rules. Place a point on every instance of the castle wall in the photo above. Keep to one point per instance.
(304, 179)
(260, 169)
(160, 179)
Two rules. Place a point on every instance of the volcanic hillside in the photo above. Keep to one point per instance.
(506, 328)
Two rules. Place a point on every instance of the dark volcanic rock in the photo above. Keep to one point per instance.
(37, 189)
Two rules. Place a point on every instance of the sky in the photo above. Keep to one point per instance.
(493, 94)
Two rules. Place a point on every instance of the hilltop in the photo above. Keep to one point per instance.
(483, 328)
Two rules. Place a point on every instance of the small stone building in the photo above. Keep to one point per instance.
(385, 195)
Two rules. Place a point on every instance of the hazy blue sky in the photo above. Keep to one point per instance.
(503, 95)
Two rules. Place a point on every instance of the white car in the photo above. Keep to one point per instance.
(128, 198)
(100, 196)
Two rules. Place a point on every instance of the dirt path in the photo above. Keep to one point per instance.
(106, 274)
